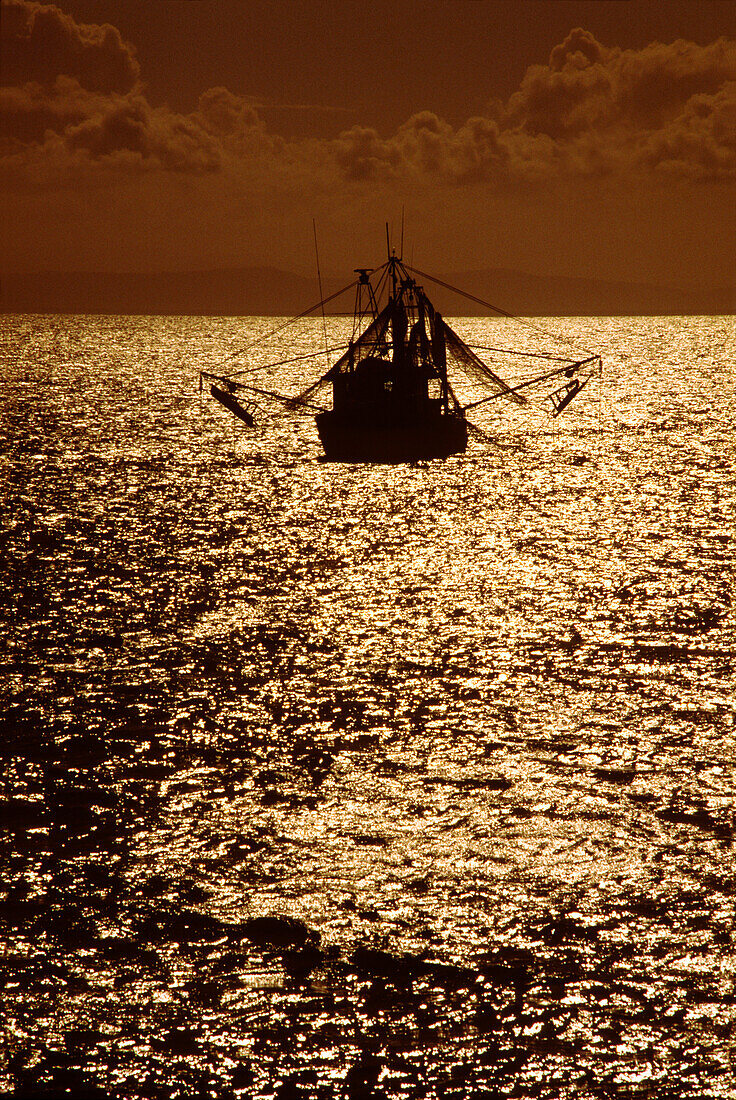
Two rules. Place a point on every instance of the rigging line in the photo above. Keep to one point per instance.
(383, 278)
(524, 385)
(496, 309)
(381, 286)
(264, 393)
(319, 281)
(471, 297)
(280, 328)
(299, 358)
(530, 354)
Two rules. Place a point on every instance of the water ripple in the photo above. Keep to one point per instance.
(327, 780)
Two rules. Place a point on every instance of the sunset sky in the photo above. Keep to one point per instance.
(587, 138)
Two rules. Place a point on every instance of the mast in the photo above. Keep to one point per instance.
(364, 286)
(439, 354)
(391, 263)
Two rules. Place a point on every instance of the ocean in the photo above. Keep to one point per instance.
(326, 780)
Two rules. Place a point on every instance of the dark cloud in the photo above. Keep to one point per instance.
(31, 111)
(425, 146)
(40, 42)
(700, 143)
(579, 49)
(586, 85)
(590, 111)
(133, 133)
(607, 109)
(362, 154)
(227, 115)
(235, 124)
(73, 100)
(52, 130)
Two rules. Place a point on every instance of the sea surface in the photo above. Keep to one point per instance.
(344, 781)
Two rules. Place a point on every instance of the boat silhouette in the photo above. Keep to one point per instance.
(392, 399)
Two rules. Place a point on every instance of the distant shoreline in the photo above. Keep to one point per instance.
(266, 291)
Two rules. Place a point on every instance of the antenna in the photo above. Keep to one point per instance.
(388, 243)
(401, 251)
(321, 296)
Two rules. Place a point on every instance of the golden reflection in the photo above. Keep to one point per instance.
(363, 778)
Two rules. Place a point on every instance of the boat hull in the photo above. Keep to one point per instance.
(345, 439)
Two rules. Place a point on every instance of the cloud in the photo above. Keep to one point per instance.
(137, 134)
(701, 142)
(73, 103)
(235, 124)
(51, 133)
(607, 109)
(362, 154)
(31, 110)
(592, 110)
(72, 99)
(40, 42)
(225, 114)
(426, 147)
(587, 86)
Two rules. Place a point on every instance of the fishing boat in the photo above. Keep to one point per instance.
(392, 399)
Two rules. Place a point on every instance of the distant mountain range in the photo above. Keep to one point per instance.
(268, 291)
